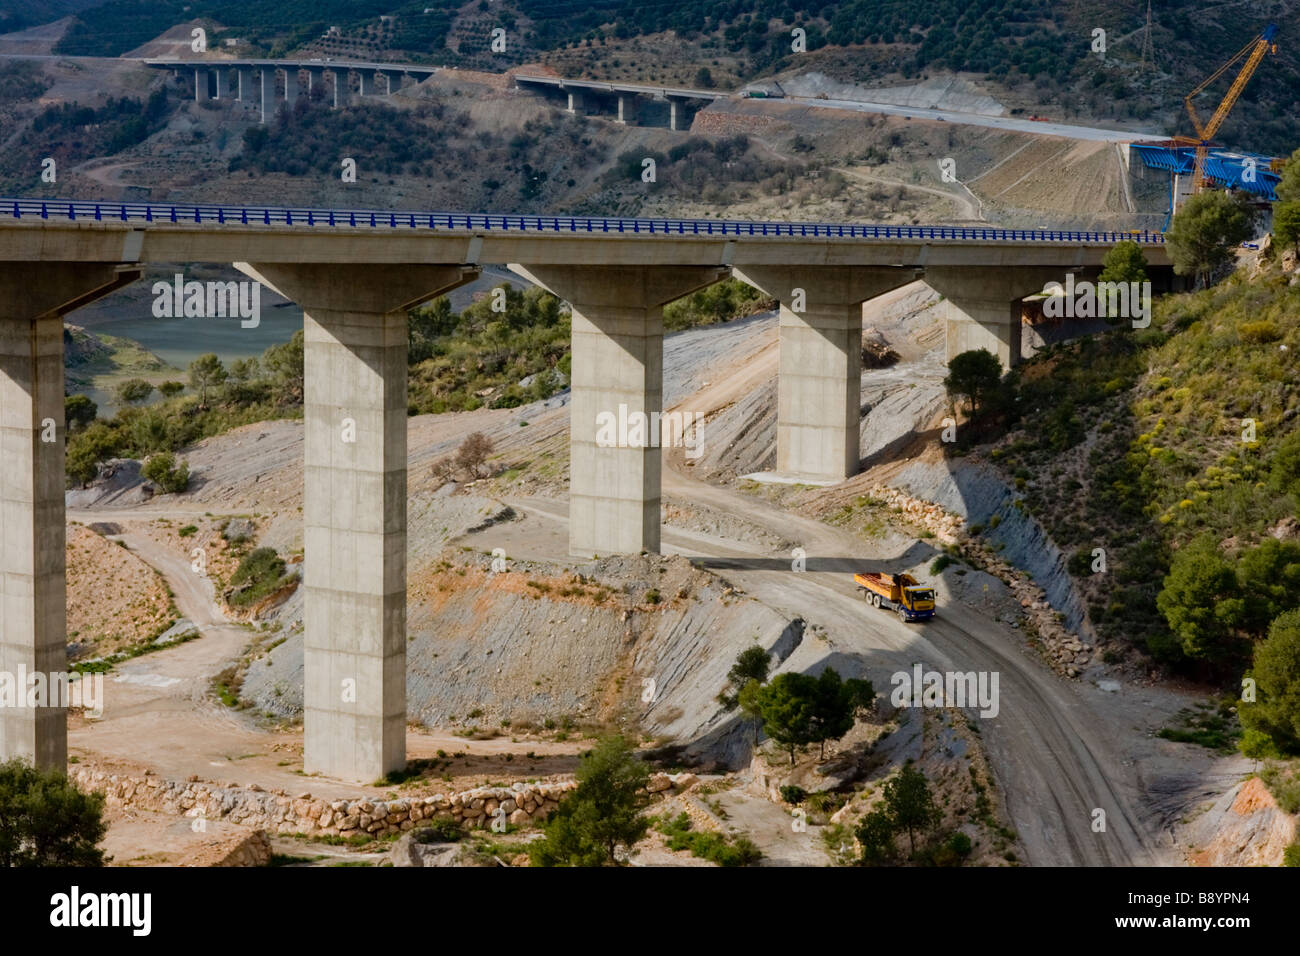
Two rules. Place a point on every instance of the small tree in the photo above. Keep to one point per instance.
(1275, 714)
(602, 814)
(133, 391)
(876, 835)
(974, 375)
(837, 705)
(1205, 232)
(171, 389)
(909, 803)
(163, 471)
(752, 663)
(473, 452)
(79, 411)
(1286, 225)
(206, 372)
(1202, 602)
(788, 707)
(1124, 262)
(46, 821)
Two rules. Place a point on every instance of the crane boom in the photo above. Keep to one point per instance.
(1254, 53)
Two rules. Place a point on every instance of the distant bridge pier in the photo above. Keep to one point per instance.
(366, 80)
(577, 102)
(201, 92)
(244, 79)
(617, 349)
(34, 297)
(340, 87)
(983, 305)
(354, 504)
(627, 109)
(394, 80)
(819, 385)
(290, 86)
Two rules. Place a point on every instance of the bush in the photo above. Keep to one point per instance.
(793, 794)
(46, 821)
(163, 470)
(1258, 333)
(440, 830)
(939, 563)
(259, 574)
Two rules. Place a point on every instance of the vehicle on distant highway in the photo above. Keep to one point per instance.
(897, 592)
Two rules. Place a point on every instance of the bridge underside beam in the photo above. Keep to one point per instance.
(617, 348)
(354, 505)
(34, 297)
(820, 386)
(983, 305)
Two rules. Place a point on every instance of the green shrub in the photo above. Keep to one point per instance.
(163, 470)
(188, 530)
(259, 574)
(939, 563)
(1258, 333)
(439, 830)
(792, 793)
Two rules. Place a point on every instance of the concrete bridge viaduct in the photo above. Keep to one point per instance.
(355, 274)
(253, 82)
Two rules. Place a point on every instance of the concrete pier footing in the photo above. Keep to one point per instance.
(34, 297)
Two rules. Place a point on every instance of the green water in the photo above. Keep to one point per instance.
(178, 342)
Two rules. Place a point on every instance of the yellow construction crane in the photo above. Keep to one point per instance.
(1253, 52)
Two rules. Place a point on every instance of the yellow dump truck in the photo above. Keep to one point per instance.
(897, 592)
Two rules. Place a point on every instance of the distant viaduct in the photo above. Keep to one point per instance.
(355, 274)
(256, 83)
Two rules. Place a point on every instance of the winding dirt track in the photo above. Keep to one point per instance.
(1051, 750)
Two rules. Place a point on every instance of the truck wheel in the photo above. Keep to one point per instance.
(875, 600)
(902, 615)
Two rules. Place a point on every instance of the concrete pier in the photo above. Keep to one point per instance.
(820, 386)
(245, 79)
(34, 297)
(290, 86)
(366, 81)
(340, 87)
(617, 348)
(983, 305)
(201, 92)
(577, 102)
(627, 109)
(354, 505)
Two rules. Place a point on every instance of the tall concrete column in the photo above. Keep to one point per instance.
(290, 86)
(819, 391)
(983, 305)
(340, 87)
(673, 108)
(577, 102)
(617, 349)
(267, 84)
(627, 109)
(201, 93)
(34, 297)
(354, 504)
(394, 80)
(366, 82)
(244, 75)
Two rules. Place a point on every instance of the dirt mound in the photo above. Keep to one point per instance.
(115, 600)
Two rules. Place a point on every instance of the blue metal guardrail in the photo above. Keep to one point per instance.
(87, 210)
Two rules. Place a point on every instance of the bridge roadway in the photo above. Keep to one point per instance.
(356, 273)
